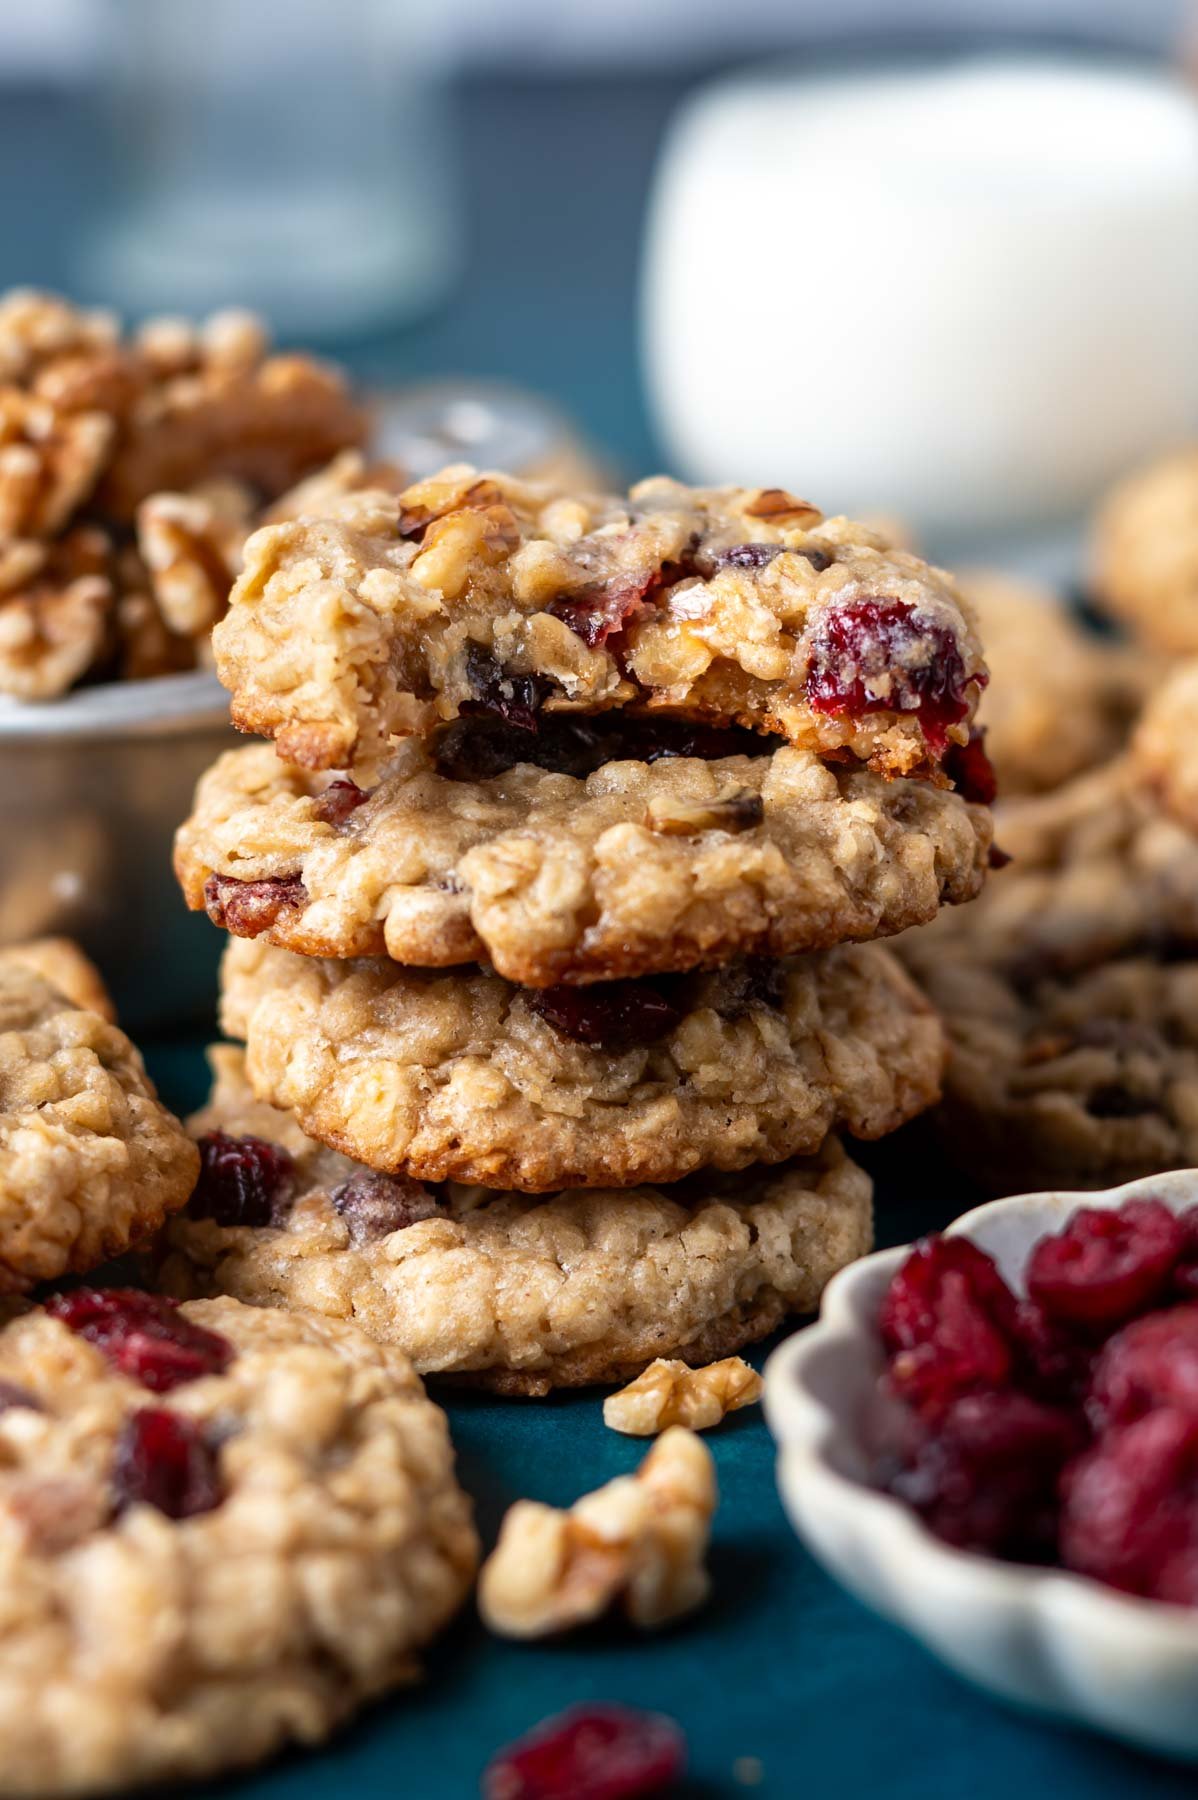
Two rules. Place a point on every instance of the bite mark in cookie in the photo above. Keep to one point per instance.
(481, 592)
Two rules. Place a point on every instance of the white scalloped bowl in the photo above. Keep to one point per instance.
(1054, 1642)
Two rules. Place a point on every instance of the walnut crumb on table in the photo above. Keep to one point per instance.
(639, 1540)
(669, 1393)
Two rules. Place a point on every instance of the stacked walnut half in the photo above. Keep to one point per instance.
(131, 470)
(552, 908)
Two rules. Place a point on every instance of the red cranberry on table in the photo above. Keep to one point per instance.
(594, 1752)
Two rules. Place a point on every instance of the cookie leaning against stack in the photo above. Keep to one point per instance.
(554, 928)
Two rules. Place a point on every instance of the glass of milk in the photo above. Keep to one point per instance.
(965, 293)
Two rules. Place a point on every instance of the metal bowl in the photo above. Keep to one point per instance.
(92, 788)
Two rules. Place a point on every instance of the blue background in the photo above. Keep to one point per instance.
(781, 1665)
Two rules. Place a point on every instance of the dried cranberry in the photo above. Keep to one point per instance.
(948, 1323)
(595, 614)
(998, 859)
(12, 1394)
(477, 749)
(1054, 1362)
(1107, 1264)
(373, 1206)
(1185, 1272)
(516, 699)
(248, 908)
(971, 771)
(612, 1015)
(334, 804)
(746, 556)
(986, 1477)
(595, 1752)
(163, 1460)
(143, 1335)
(243, 1181)
(652, 739)
(1130, 1506)
(1151, 1362)
(881, 656)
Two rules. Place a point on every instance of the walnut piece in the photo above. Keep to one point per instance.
(191, 545)
(49, 462)
(737, 809)
(640, 1541)
(671, 1393)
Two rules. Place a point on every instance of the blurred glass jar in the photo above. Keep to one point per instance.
(294, 159)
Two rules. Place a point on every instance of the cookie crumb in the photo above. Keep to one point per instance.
(748, 1771)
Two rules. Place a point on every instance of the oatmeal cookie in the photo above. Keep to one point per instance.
(480, 593)
(1144, 552)
(1060, 700)
(90, 1162)
(465, 1077)
(503, 1290)
(61, 962)
(1166, 745)
(1067, 995)
(1095, 872)
(580, 871)
(1082, 1078)
(222, 1530)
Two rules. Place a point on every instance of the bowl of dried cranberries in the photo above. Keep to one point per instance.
(991, 1437)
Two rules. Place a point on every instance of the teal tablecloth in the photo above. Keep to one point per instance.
(781, 1666)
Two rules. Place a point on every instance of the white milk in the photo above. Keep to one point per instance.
(968, 295)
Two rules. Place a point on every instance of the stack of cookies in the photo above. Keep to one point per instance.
(551, 913)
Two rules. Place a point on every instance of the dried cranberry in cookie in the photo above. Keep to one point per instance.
(163, 1460)
(145, 1336)
(374, 1205)
(462, 1076)
(611, 1015)
(243, 1181)
(252, 907)
(873, 656)
(390, 616)
(335, 803)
